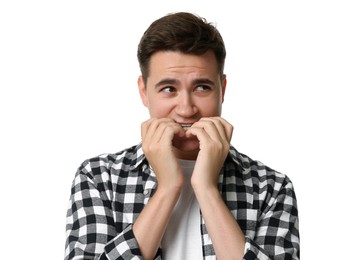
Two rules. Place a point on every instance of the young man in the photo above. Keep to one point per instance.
(184, 192)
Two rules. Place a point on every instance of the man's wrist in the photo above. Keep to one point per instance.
(206, 191)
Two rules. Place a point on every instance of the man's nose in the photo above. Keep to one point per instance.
(186, 106)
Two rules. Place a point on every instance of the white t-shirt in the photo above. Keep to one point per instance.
(182, 239)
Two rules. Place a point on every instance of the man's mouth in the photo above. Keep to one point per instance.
(186, 126)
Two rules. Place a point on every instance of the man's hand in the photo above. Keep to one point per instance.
(157, 136)
(214, 135)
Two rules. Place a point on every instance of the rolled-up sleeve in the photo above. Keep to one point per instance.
(90, 227)
(277, 236)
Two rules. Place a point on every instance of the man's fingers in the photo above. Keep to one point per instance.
(216, 127)
(156, 130)
(226, 127)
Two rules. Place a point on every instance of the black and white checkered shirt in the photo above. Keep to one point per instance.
(110, 191)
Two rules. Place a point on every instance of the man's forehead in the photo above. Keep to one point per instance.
(170, 64)
(176, 59)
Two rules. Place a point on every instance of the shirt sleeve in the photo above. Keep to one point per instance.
(90, 227)
(277, 236)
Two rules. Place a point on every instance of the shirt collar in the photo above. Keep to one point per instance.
(139, 158)
(238, 158)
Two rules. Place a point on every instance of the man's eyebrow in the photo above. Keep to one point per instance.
(170, 81)
(203, 81)
(165, 82)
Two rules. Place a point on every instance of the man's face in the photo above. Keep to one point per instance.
(185, 88)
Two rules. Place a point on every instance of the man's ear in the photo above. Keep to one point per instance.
(143, 91)
(223, 88)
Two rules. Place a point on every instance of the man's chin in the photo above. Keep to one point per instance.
(186, 148)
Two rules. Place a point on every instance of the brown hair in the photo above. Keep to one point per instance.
(184, 32)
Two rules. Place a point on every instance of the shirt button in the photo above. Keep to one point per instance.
(146, 192)
(144, 167)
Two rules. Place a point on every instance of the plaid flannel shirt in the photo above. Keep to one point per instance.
(109, 192)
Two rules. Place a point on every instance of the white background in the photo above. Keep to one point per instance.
(68, 72)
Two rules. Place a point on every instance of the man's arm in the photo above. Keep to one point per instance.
(90, 227)
(277, 233)
(149, 228)
(214, 135)
(226, 235)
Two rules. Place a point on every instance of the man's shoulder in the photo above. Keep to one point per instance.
(252, 168)
(125, 160)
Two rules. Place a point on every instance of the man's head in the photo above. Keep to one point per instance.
(183, 32)
(182, 60)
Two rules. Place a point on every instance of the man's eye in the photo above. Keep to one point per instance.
(168, 89)
(202, 88)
